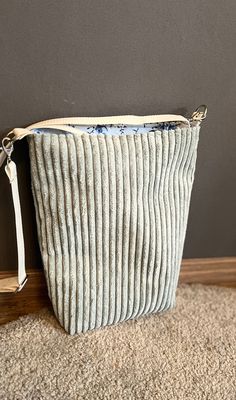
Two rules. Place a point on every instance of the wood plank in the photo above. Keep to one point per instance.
(209, 271)
(33, 297)
(30, 299)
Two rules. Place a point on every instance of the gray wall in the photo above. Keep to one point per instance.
(90, 58)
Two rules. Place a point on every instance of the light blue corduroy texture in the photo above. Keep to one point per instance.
(112, 214)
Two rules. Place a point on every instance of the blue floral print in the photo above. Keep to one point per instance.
(122, 129)
(111, 129)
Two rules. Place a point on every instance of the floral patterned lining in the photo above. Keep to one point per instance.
(122, 129)
(111, 129)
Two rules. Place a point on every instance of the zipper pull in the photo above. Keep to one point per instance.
(199, 114)
(7, 143)
(6, 149)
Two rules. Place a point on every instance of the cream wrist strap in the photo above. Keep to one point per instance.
(16, 283)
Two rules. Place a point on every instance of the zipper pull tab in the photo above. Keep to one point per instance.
(199, 114)
(7, 143)
(6, 150)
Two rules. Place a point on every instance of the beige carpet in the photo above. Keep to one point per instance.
(188, 354)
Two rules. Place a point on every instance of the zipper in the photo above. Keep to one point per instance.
(59, 123)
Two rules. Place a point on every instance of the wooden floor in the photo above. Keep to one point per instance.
(211, 271)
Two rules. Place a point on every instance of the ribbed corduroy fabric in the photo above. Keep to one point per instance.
(112, 215)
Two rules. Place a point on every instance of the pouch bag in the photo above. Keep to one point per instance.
(112, 198)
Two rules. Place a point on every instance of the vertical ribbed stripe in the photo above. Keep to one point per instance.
(133, 225)
(89, 175)
(70, 276)
(98, 229)
(45, 207)
(119, 226)
(112, 228)
(168, 196)
(112, 213)
(163, 206)
(140, 225)
(175, 137)
(187, 182)
(157, 221)
(56, 288)
(152, 222)
(77, 272)
(105, 229)
(146, 223)
(126, 225)
(69, 168)
(84, 234)
(57, 150)
(181, 134)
